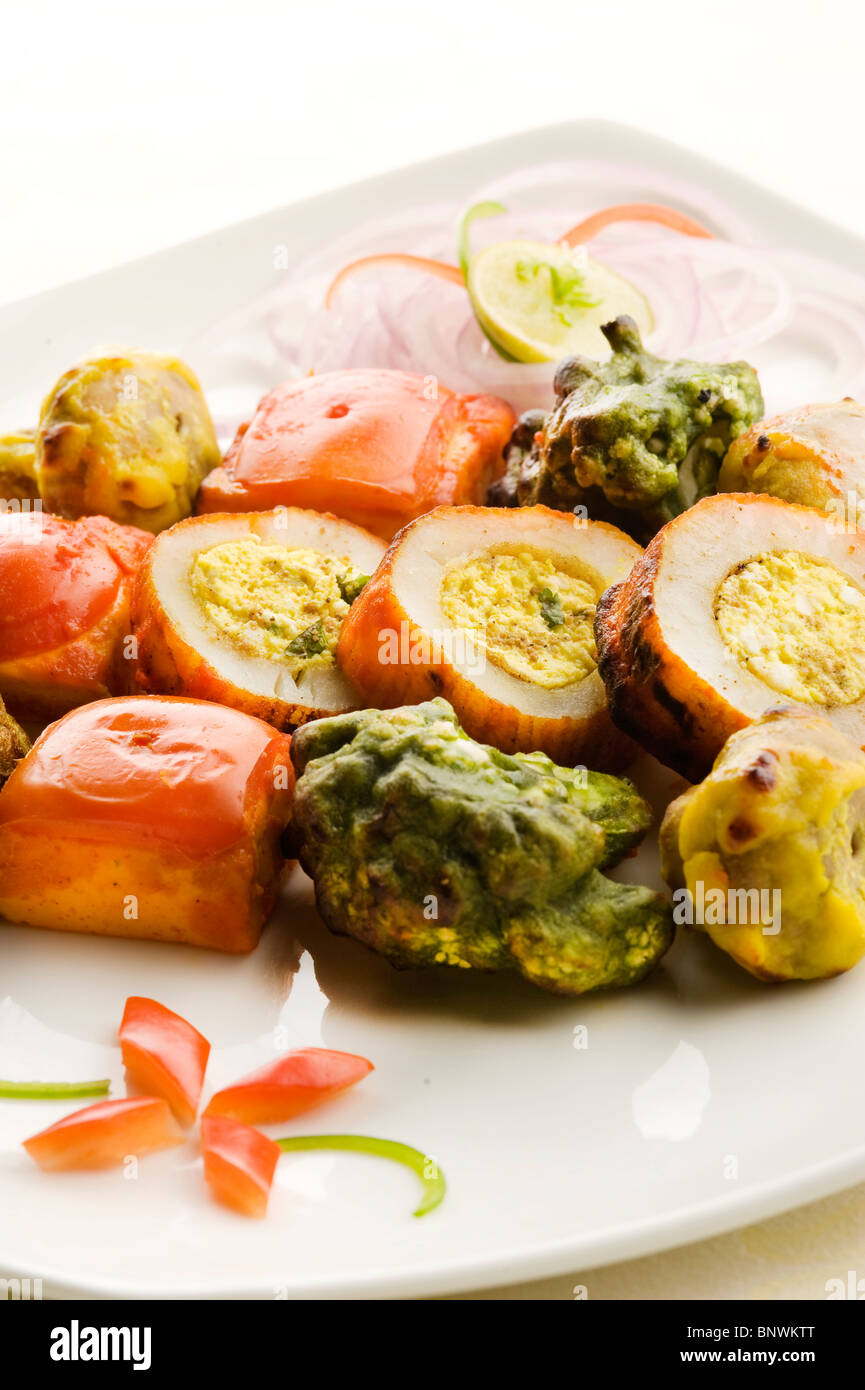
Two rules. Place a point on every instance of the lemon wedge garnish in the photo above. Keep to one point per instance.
(538, 302)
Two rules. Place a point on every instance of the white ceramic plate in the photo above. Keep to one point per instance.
(701, 1101)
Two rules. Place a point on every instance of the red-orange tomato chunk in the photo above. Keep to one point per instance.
(173, 808)
(239, 1164)
(164, 1055)
(65, 594)
(103, 1135)
(295, 1082)
(377, 447)
(179, 771)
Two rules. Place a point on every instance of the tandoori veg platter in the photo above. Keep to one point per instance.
(432, 651)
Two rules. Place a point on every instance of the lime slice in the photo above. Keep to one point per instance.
(537, 302)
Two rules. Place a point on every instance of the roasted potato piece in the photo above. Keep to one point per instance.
(247, 610)
(493, 609)
(635, 440)
(375, 447)
(436, 850)
(814, 456)
(65, 625)
(18, 480)
(739, 603)
(129, 437)
(770, 849)
(14, 743)
(145, 817)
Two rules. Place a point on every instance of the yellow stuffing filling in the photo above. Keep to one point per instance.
(532, 613)
(272, 602)
(798, 624)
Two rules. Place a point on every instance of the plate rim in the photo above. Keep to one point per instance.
(554, 131)
(688, 1225)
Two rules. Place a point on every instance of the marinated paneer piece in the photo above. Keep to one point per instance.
(636, 439)
(436, 850)
(770, 849)
(127, 436)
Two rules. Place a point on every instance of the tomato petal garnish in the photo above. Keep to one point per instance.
(164, 1055)
(634, 212)
(103, 1135)
(295, 1082)
(442, 269)
(239, 1163)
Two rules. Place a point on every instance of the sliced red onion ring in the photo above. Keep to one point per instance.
(717, 299)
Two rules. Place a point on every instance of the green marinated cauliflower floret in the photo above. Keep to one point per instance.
(767, 855)
(600, 934)
(14, 743)
(636, 439)
(436, 850)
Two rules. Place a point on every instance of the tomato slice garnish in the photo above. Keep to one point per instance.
(164, 1055)
(634, 212)
(442, 269)
(239, 1163)
(100, 1136)
(294, 1083)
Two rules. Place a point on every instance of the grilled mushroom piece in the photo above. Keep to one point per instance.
(634, 440)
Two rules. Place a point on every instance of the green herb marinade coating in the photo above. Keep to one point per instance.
(636, 439)
(436, 850)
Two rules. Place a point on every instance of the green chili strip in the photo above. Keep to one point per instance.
(52, 1090)
(431, 1176)
(463, 251)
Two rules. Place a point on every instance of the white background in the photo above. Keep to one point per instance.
(126, 128)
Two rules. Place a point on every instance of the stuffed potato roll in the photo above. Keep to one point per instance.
(492, 608)
(246, 610)
(741, 603)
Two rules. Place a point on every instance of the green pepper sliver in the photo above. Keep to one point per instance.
(431, 1176)
(52, 1090)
